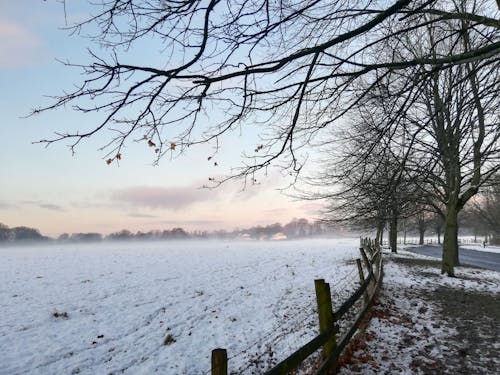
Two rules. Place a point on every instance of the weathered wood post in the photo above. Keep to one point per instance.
(325, 314)
(365, 258)
(369, 266)
(362, 278)
(219, 362)
(360, 271)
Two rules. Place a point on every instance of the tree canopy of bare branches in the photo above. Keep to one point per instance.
(437, 129)
(289, 70)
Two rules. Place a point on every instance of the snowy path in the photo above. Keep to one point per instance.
(162, 307)
(483, 259)
(486, 249)
(428, 323)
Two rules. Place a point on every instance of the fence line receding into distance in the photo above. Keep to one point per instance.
(328, 340)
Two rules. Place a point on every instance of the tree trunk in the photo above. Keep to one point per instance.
(439, 235)
(421, 239)
(450, 241)
(393, 234)
(380, 234)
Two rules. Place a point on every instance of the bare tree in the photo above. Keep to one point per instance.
(361, 176)
(454, 125)
(422, 222)
(286, 68)
(437, 222)
(441, 126)
(483, 212)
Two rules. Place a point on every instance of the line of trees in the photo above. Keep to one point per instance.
(422, 142)
(296, 228)
(482, 213)
(125, 235)
(20, 234)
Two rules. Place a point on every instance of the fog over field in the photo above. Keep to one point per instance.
(142, 308)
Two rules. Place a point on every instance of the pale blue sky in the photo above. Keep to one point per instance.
(52, 190)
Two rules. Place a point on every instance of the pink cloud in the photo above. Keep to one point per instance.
(138, 215)
(18, 45)
(173, 198)
(7, 205)
(276, 212)
(193, 223)
(313, 208)
(44, 205)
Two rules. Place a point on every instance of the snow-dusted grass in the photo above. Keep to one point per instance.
(144, 308)
(467, 278)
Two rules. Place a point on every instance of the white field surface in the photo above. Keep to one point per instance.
(256, 299)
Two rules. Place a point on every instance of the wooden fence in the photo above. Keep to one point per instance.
(327, 340)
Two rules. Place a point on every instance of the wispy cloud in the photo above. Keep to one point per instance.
(189, 223)
(6, 205)
(142, 216)
(18, 45)
(313, 208)
(51, 207)
(173, 198)
(246, 191)
(275, 211)
(44, 205)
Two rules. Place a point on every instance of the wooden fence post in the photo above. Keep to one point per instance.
(361, 278)
(219, 362)
(369, 266)
(365, 258)
(325, 314)
(372, 247)
(360, 271)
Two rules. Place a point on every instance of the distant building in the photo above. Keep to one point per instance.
(279, 237)
(245, 236)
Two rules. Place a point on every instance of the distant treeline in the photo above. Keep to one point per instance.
(20, 234)
(297, 228)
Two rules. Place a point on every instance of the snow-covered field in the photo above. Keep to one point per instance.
(144, 308)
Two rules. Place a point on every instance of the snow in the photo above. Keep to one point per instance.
(467, 278)
(464, 242)
(145, 308)
(408, 333)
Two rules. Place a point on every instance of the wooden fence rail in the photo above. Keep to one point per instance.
(328, 319)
